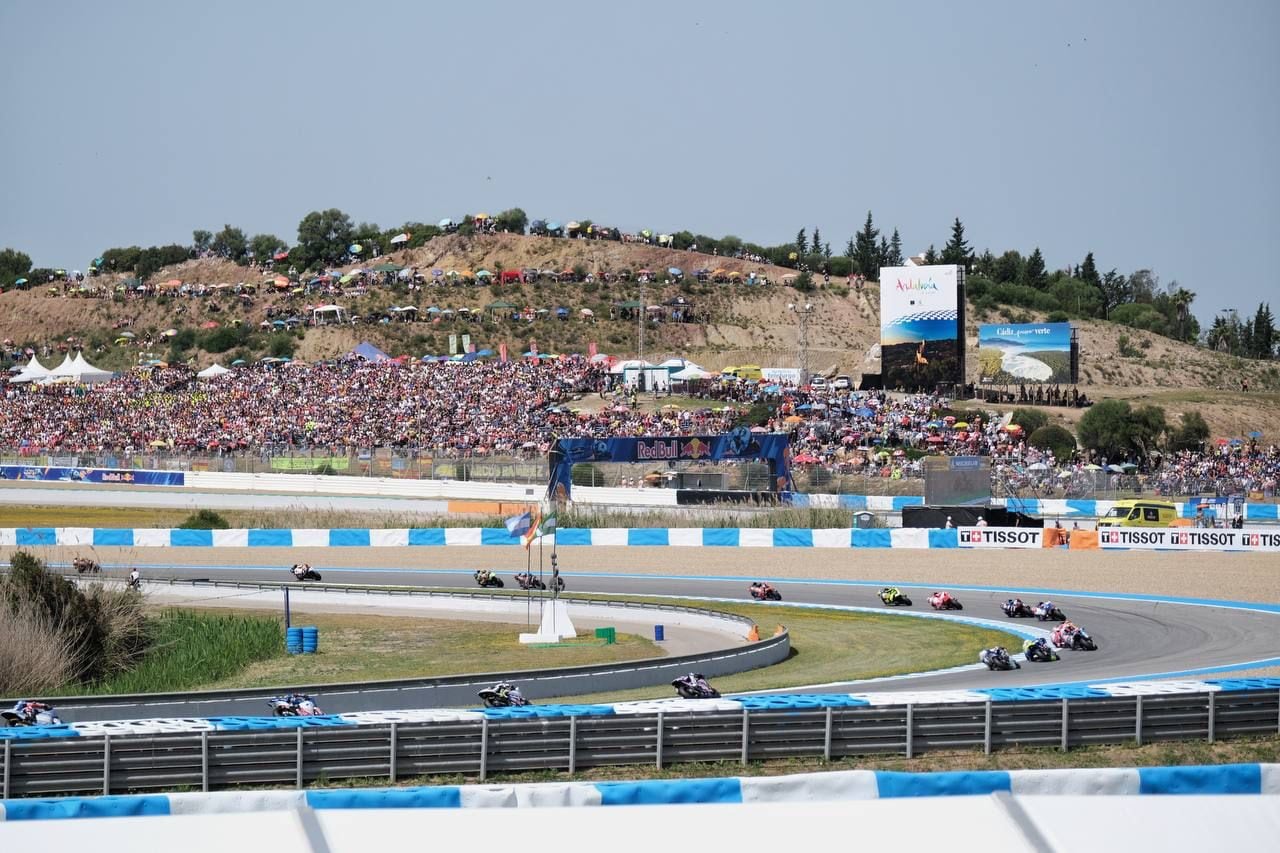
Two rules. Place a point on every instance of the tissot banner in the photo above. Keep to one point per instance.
(1000, 537)
(1190, 539)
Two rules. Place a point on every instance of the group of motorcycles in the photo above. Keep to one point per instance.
(504, 694)
(28, 712)
(527, 580)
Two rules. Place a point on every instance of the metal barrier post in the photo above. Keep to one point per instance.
(746, 735)
(1212, 716)
(986, 730)
(1066, 726)
(391, 771)
(910, 727)
(106, 764)
(204, 762)
(298, 763)
(826, 738)
(1137, 723)
(573, 745)
(484, 748)
(659, 747)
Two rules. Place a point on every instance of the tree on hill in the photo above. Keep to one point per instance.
(1033, 274)
(1114, 291)
(200, 240)
(802, 243)
(323, 237)
(1030, 419)
(1263, 340)
(513, 220)
(13, 265)
(815, 244)
(1115, 429)
(894, 257)
(1007, 269)
(230, 243)
(263, 247)
(1088, 272)
(866, 252)
(1055, 438)
(931, 255)
(957, 250)
(1191, 433)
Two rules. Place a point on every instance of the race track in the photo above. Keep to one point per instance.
(1137, 636)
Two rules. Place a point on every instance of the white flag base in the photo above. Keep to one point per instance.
(555, 625)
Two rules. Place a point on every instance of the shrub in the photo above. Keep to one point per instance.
(1030, 419)
(205, 519)
(1055, 438)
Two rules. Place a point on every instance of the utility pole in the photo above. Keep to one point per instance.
(803, 312)
(640, 324)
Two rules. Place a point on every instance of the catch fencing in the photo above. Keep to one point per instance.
(479, 748)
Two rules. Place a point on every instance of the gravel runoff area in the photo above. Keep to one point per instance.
(1238, 577)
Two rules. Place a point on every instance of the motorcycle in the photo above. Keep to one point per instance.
(944, 601)
(530, 581)
(503, 695)
(694, 686)
(303, 572)
(1047, 611)
(1040, 653)
(893, 598)
(1015, 609)
(488, 579)
(134, 582)
(294, 705)
(83, 565)
(1073, 637)
(1081, 641)
(997, 659)
(762, 591)
(30, 714)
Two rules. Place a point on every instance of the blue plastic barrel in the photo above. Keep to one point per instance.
(310, 639)
(293, 641)
(658, 634)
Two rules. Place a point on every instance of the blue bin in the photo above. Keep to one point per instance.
(659, 634)
(293, 641)
(310, 639)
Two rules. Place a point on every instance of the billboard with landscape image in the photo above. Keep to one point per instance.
(920, 327)
(1025, 353)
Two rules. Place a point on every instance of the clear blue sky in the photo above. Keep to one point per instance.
(1144, 131)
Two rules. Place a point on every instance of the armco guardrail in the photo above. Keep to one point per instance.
(479, 747)
(442, 692)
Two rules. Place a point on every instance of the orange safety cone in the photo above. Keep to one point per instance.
(753, 636)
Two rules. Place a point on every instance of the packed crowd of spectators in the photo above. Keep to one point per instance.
(479, 409)
(518, 408)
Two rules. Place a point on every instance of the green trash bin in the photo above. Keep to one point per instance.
(609, 635)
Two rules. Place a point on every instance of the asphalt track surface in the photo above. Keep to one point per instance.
(1138, 636)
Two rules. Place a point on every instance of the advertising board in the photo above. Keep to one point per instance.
(1031, 353)
(921, 327)
(1000, 537)
(1191, 539)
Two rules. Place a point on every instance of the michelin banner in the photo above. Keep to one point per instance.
(93, 475)
(1190, 539)
(1000, 537)
(921, 344)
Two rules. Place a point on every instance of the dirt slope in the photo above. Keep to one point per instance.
(745, 325)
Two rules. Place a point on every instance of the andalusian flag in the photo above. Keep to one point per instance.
(534, 530)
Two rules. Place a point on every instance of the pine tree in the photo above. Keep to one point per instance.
(931, 255)
(957, 250)
(883, 252)
(1264, 332)
(816, 241)
(1033, 274)
(849, 249)
(826, 250)
(802, 243)
(895, 250)
(866, 254)
(1089, 272)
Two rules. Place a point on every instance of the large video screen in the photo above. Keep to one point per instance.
(1024, 353)
(921, 343)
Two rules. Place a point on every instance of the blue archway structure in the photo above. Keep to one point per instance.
(740, 443)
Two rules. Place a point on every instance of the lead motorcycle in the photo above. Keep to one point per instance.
(294, 705)
(762, 591)
(488, 579)
(694, 686)
(504, 694)
(304, 572)
(1047, 611)
(27, 712)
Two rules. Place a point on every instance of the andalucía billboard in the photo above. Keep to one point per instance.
(1014, 353)
(921, 327)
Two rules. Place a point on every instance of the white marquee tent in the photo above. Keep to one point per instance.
(32, 371)
(76, 369)
(213, 371)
